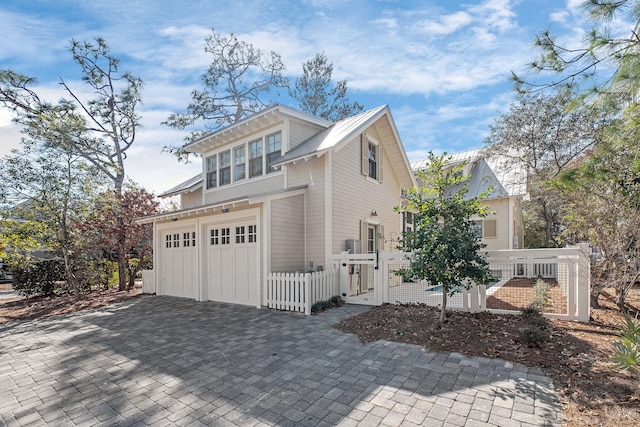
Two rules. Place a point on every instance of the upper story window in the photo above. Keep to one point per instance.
(371, 158)
(255, 158)
(212, 171)
(248, 160)
(274, 150)
(225, 167)
(239, 162)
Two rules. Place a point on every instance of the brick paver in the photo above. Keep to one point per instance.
(170, 361)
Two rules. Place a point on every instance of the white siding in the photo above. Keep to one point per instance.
(500, 212)
(287, 235)
(191, 200)
(300, 132)
(247, 187)
(355, 196)
(312, 173)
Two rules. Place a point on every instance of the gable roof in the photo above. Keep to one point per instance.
(327, 139)
(506, 179)
(344, 131)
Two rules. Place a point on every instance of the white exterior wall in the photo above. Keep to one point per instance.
(191, 200)
(502, 217)
(287, 235)
(355, 197)
(312, 174)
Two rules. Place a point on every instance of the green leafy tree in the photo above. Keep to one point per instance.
(315, 94)
(100, 130)
(445, 249)
(47, 185)
(234, 87)
(545, 134)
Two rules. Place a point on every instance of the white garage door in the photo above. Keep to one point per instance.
(179, 264)
(233, 262)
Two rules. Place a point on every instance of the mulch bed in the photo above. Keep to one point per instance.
(576, 355)
(21, 308)
(518, 293)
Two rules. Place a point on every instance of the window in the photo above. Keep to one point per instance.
(253, 234)
(167, 241)
(225, 236)
(490, 229)
(240, 236)
(239, 162)
(225, 167)
(189, 239)
(371, 239)
(176, 240)
(212, 172)
(215, 236)
(274, 150)
(372, 157)
(373, 162)
(255, 158)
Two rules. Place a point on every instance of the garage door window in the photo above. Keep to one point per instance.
(253, 237)
(226, 236)
(189, 239)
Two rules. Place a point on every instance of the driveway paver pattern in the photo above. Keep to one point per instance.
(171, 361)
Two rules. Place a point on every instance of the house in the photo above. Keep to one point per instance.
(503, 228)
(280, 191)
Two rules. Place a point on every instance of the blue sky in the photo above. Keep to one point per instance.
(442, 66)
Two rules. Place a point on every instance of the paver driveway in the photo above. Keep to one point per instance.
(164, 361)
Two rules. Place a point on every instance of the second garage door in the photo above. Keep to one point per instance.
(233, 262)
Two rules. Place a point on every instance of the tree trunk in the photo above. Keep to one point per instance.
(444, 305)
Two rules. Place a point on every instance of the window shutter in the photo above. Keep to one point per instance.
(363, 237)
(380, 230)
(364, 146)
(490, 229)
(380, 164)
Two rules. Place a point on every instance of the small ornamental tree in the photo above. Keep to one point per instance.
(445, 249)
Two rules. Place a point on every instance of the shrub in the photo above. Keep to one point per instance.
(536, 330)
(334, 301)
(37, 277)
(626, 352)
(540, 294)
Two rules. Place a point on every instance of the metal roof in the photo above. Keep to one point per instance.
(497, 172)
(327, 139)
(187, 186)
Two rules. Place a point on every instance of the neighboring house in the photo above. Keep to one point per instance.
(280, 191)
(503, 228)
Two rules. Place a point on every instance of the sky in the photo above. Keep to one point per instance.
(442, 66)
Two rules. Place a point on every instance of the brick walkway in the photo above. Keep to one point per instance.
(165, 361)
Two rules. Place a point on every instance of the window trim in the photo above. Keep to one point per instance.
(365, 141)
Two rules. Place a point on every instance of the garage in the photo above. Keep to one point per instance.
(233, 262)
(179, 263)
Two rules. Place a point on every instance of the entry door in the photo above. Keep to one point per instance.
(233, 263)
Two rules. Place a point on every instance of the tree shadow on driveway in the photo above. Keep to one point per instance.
(162, 360)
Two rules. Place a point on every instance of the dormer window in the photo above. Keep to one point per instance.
(274, 150)
(239, 160)
(255, 158)
(225, 167)
(212, 171)
(245, 161)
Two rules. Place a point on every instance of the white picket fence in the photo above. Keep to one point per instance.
(299, 291)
